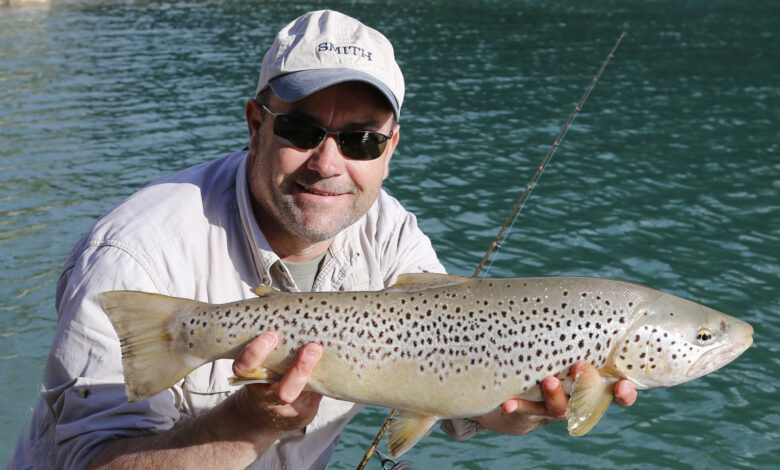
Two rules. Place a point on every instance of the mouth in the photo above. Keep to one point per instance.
(718, 358)
(318, 192)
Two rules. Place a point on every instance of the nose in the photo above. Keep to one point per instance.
(326, 158)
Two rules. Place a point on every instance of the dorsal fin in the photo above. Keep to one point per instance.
(262, 291)
(418, 281)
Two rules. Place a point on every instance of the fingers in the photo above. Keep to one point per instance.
(554, 397)
(576, 368)
(295, 379)
(625, 393)
(524, 406)
(281, 406)
(554, 404)
(556, 400)
(292, 384)
(254, 353)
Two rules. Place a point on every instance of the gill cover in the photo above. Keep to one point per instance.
(674, 340)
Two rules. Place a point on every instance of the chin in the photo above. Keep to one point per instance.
(321, 227)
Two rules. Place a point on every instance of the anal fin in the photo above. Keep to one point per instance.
(259, 375)
(406, 429)
(591, 395)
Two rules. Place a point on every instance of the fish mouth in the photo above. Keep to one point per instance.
(719, 357)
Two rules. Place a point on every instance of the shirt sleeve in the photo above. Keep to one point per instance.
(461, 429)
(84, 388)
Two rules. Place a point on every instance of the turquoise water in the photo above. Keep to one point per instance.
(670, 176)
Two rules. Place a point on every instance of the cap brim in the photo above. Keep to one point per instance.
(298, 85)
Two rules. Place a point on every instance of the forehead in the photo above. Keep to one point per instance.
(346, 102)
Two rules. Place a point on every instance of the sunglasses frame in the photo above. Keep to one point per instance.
(340, 135)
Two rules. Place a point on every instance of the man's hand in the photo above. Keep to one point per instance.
(518, 416)
(234, 433)
(282, 406)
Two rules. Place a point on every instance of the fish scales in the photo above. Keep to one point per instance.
(440, 346)
(493, 339)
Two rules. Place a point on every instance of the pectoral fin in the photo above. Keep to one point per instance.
(262, 291)
(406, 429)
(590, 397)
(260, 375)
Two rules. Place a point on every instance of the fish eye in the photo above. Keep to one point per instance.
(704, 335)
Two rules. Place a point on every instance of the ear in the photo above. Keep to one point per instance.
(391, 145)
(253, 119)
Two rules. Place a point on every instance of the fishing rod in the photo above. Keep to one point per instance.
(496, 244)
(532, 183)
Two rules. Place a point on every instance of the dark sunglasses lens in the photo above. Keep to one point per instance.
(298, 132)
(362, 145)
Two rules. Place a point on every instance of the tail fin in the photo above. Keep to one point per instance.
(148, 358)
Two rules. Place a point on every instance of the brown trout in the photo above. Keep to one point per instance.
(439, 346)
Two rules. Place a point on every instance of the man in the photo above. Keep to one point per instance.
(301, 209)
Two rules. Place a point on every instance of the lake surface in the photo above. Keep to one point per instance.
(670, 175)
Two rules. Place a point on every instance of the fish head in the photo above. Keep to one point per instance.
(674, 340)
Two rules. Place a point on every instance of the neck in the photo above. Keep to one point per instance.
(288, 246)
(303, 253)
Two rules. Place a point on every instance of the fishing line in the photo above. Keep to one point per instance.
(510, 221)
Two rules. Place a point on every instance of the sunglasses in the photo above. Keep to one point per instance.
(302, 134)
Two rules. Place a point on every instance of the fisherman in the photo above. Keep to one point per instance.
(302, 209)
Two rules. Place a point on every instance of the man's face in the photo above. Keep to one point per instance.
(308, 196)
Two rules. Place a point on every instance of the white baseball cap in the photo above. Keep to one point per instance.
(323, 48)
